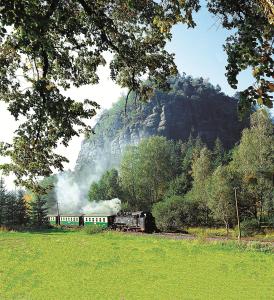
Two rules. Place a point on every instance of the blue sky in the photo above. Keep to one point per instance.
(199, 51)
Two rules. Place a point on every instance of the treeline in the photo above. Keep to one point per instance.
(16, 210)
(187, 184)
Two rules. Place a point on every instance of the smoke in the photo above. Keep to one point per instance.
(110, 207)
(68, 193)
(72, 193)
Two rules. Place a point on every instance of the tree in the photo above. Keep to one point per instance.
(146, 171)
(201, 171)
(250, 46)
(11, 209)
(3, 200)
(38, 212)
(22, 210)
(253, 161)
(220, 195)
(179, 186)
(53, 45)
(57, 44)
(107, 188)
(48, 185)
(219, 155)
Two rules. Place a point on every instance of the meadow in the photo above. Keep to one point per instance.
(75, 265)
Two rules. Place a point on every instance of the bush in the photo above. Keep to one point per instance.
(175, 213)
(94, 229)
(250, 227)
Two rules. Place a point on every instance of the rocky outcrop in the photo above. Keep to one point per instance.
(173, 115)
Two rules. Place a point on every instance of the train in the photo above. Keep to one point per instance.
(139, 221)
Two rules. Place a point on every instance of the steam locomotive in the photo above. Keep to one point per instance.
(139, 221)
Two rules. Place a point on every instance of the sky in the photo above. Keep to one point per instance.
(198, 52)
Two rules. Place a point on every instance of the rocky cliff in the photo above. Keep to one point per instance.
(193, 107)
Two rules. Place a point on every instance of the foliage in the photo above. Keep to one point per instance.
(253, 163)
(220, 195)
(107, 188)
(250, 227)
(250, 46)
(146, 170)
(178, 186)
(54, 45)
(176, 213)
(220, 157)
(3, 198)
(201, 171)
(13, 207)
(22, 209)
(38, 212)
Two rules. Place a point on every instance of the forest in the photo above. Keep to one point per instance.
(187, 184)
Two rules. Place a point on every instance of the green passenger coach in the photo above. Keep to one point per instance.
(98, 219)
(75, 220)
(53, 219)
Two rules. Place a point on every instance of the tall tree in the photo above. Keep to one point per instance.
(22, 209)
(253, 160)
(3, 200)
(218, 154)
(201, 171)
(220, 196)
(11, 209)
(38, 212)
(146, 171)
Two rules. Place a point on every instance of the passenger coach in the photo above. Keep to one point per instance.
(98, 219)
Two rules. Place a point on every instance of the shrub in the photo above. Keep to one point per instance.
(94, 229)
(250, 227)
(175, 213)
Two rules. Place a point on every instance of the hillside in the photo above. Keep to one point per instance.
(193, 106)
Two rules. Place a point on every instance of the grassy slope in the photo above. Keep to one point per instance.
(74, 265)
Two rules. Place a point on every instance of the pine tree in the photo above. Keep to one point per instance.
(22, 213)
(218, 154)
(10, 211)
(3, 199)
(38, 212)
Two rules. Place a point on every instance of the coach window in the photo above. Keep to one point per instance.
(96, 220)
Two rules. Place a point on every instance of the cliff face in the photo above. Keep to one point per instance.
(172, 115)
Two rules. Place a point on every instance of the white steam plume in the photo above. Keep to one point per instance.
(110, 207)
(72, 196)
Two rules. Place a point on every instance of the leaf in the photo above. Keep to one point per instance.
(260, 101)
(271, 86)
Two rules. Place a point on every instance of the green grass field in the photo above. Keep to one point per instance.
(74, 265)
